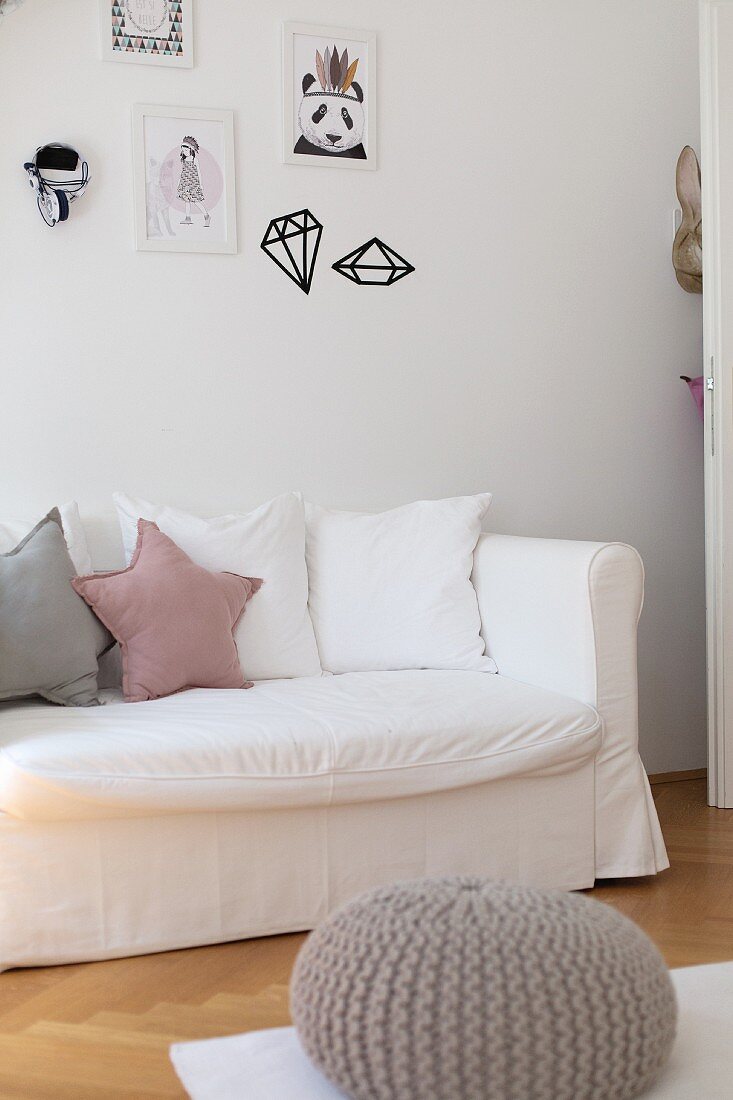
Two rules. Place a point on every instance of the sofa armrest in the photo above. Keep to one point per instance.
(563, 615)
(549, 609)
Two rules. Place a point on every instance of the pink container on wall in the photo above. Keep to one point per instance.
(698, 393)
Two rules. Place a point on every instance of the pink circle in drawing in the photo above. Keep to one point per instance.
(210, 174)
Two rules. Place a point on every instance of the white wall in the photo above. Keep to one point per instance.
(527, 154)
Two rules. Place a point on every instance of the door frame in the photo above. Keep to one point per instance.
(718, 430)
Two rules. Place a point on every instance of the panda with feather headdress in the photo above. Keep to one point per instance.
(331, 116)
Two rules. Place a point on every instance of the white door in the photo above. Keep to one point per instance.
(716, 69)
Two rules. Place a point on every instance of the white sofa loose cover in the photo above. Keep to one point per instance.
(564, 615)
(308, 742)
(219, 815)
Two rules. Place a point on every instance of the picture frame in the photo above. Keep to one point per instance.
(184, 179)
(147, 32)
(329, 102)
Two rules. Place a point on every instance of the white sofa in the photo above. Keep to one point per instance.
(219, 815)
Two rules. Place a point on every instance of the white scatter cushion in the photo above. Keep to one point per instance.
(393, 590)
(275, 635)
(13, 530)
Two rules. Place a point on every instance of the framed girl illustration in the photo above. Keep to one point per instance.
(184, 179)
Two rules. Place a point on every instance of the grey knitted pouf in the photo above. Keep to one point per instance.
(467, 989)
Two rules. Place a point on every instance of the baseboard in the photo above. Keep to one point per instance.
(678, 777)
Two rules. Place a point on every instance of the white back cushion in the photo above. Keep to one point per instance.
(393, 590)
(275, 635)
(13, 530)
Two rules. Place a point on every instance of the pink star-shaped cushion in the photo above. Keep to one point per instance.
(172, 618)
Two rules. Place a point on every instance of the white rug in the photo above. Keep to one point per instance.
(270, 1065)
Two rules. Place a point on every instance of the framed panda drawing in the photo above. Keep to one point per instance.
(329, 96)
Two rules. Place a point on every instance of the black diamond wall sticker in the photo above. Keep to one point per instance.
(292, 242)
(373, 264)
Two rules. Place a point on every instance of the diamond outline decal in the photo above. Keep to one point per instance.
(357, 265)
(297, 258)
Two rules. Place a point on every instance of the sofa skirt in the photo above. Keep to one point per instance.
(87, 890)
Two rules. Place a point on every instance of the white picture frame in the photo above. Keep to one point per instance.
(357, 97)
(174, 181)
(122, 30)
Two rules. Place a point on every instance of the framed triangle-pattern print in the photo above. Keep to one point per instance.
(148, 32)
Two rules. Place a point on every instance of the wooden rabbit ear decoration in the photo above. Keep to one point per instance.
(687, 247)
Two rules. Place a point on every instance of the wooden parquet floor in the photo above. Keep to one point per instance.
(101, 1031)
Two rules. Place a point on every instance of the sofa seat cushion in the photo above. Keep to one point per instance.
(307, 742)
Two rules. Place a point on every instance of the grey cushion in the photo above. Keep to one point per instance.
(466, 989)
(49, 638)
